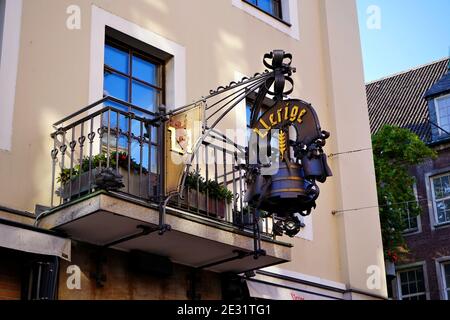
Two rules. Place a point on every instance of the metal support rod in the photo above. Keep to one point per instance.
(146, 230)
(237, 85)
(207, 133)
(239, 255)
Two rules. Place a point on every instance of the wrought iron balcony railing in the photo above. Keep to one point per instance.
(114, 145)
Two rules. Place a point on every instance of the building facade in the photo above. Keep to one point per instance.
(79, 78)
(418, 100)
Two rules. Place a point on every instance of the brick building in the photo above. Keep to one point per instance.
(419, 100)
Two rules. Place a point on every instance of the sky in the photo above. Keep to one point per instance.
(398, 35)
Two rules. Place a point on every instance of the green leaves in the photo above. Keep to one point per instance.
(395, 151)
(215, 190)
(99, 161)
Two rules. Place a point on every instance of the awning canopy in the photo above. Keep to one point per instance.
(262, 290)
(28, 239)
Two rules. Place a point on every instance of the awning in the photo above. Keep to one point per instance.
(28, 239)
(275, 291)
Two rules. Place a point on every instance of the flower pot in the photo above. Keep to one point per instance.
(390, 269)
(194, 201)
(135, 184)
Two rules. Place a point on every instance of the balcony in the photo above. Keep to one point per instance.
(108, 190)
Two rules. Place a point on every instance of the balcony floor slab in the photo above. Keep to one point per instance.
(102, 218)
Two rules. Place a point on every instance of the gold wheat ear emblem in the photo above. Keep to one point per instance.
(282, 143)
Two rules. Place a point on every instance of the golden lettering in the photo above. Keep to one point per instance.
(264, 124)
(272, 122)
(294, 113)
(300, 116)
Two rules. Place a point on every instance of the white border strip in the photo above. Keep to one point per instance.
(305, 277)
(289, 7)
(9, 61)
(175, 68)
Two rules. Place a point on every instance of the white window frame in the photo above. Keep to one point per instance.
(433, 199)
(408, 232)
(9, 61)
(436, 107)
(289, 10)
(443, 290)
(175, 69)
(409, 267)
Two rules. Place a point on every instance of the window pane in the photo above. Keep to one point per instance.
(445, 186)
(438, 192)
(266, 5)
(144, 96)
(412, 283)
(447, 275)
(116, 86)
(440, 206)
(154, 159)
(154, 134)
(116, 59)
(145, 71)
(443, 105)
(248, 113)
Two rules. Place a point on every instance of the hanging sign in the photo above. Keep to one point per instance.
(295, 113)
(183, 130)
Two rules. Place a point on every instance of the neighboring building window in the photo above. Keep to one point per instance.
(441, 198)
(411, 284)
(410, 220)
(443, 113)
(272, 7)
(446, 279)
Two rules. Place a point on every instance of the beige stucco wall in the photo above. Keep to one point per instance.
(54, 78)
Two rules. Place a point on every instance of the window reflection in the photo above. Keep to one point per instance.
(134, 78)
(441, 192)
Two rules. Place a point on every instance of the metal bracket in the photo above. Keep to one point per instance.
(100, 259)
(192, 292)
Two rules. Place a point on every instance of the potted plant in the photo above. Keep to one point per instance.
(79, 179)
(391, 258)
(210, 193)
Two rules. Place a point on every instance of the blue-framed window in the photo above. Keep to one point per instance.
(137, 78)
(272, 7)
(133, 76)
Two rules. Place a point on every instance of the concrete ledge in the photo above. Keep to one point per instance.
(118, 216)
